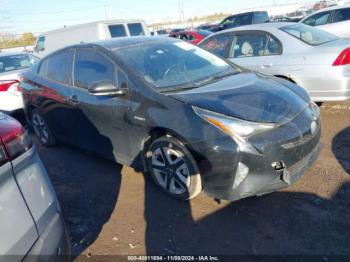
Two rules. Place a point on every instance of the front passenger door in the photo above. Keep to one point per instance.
(101, 119)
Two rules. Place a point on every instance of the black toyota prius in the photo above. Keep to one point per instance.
(186, 117)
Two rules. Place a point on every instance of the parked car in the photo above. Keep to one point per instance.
(194, 37)
(335, 20)
(90, 32)
(208, 27)
(11, 65)
(161, 32)
(187, 117)
(31, 219)
(242, 19)
(312, 58)
(176, 30)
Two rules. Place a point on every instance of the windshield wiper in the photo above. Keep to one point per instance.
(199, 83)
(178, 89)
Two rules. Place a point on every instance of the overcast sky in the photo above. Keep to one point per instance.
(41, 15)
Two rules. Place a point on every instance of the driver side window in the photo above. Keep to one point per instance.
(318, 19)
(90, 66)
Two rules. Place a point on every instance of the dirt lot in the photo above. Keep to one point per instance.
(111, 209)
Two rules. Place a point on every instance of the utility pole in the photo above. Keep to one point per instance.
(181, 10)
(106, 11)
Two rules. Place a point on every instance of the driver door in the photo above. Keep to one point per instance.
(101, 120)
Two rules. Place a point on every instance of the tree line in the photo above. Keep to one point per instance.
(25, 40)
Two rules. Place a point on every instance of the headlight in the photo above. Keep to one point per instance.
(238, 129)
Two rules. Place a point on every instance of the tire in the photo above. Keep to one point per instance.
(41, 129)
(173, 168)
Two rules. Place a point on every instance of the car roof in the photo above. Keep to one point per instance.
(336, 7)
(3, 54)
(120, 42)
(264, 26)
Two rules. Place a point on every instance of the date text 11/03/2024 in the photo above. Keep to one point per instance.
(173, 258)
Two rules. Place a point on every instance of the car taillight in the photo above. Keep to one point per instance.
(5, 85)
(343, 58)
(15, 143)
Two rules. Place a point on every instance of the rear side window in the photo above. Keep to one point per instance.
(59, 67)
(318, 19)
(91, 67)
(117, 30)
(260, 17)
(341, 15)
(218, 44)
(136, 29)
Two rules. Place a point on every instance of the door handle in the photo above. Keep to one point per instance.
(72, 100)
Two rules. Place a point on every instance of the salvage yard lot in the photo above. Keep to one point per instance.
(111, 209)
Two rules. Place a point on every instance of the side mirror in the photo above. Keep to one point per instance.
(106, 88)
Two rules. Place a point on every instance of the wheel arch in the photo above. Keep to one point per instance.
(158, 132)
(286, 78)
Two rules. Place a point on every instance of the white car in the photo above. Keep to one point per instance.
(335, 20)
(11, 65)
(312, 58)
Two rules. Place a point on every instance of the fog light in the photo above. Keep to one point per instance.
(241, 174)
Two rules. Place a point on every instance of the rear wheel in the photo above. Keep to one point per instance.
(173, 168)
(41, 129)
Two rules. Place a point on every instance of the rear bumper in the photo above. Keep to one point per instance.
(53, 243)
(10, 102)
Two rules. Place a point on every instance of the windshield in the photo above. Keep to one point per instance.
(308, 34)
(174, 65)
(15, 62)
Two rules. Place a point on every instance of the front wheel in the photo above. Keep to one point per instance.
(41, 129)
(173, 168)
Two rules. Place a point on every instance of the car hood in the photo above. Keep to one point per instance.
(249, 96)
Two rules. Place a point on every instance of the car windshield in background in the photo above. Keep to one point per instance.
(308, 34)
(16, 62)
(175, 65)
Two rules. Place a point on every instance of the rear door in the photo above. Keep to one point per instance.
(17, 228)
(54, 93)
(101, 120)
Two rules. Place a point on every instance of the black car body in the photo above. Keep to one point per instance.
(248, 18)
(278, 125)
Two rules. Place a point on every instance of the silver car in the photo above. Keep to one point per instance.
(335, 20)
(31, 222)
(310, 57)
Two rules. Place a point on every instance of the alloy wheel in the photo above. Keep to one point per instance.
(171, 170)
(40, 128)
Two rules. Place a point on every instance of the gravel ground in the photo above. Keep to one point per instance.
(110, 209)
